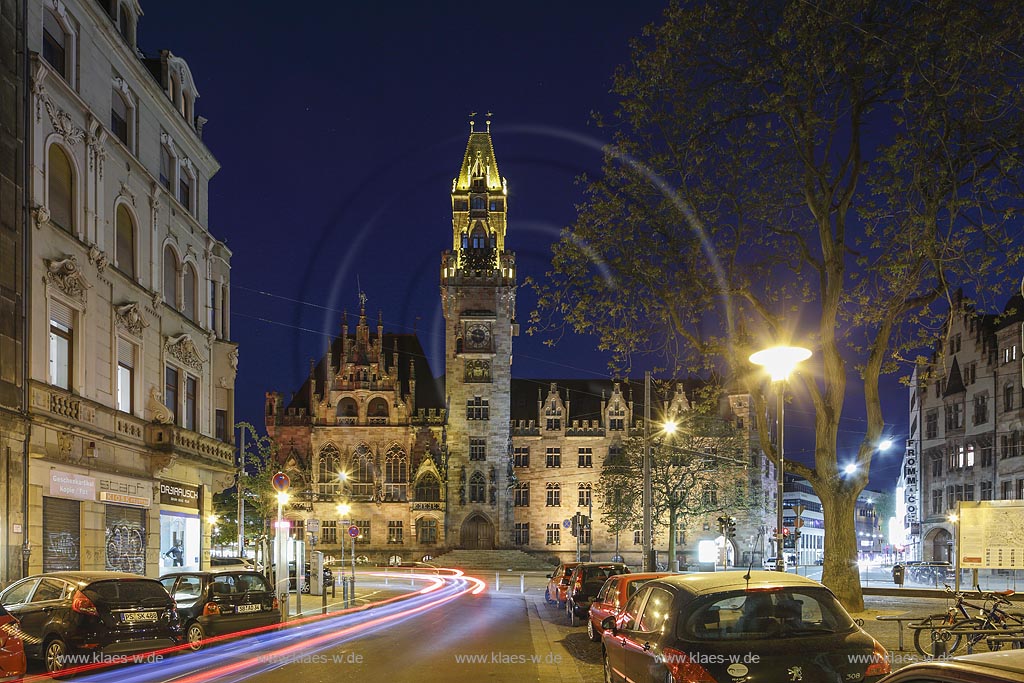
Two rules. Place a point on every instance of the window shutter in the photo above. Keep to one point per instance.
(61, 313)
(125, 353)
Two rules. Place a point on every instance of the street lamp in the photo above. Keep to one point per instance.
(343, 510)
(780, 361)
(954, 519)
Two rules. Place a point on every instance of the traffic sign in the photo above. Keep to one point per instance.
(313, 526)
(566, 523)
(353, 531)
(798, 522)
(281, 482)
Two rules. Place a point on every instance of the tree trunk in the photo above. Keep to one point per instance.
(672, 539)
(840, 572)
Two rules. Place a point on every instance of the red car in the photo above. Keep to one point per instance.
(555, 593)
(12, 651)
(612, 598)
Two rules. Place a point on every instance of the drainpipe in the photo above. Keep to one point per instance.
(26, 547)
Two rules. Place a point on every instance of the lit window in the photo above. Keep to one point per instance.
(61, 344)
(60, 189)
(125, 236)
(125, 376)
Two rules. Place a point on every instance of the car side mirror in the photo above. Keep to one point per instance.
(859, 622)
(608, 624)
(550, 575)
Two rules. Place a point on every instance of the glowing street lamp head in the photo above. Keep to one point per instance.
(953, 518)
(850, 469)
(780, 361)
(282, 498)
(212, 519)
(343, 509)
(669, 427)
(343, 476)
(885, 444)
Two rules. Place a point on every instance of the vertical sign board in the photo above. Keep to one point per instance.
(910, 491)
(991, 534)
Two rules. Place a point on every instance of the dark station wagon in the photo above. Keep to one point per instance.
(754, 627)
(219, 602)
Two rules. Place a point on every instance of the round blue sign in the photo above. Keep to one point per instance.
(281, 482)
(566, 524)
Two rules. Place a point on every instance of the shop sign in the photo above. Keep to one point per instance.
(72, 485)
(182, 495)
(124, 491)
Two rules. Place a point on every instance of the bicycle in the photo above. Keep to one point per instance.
(957, 626)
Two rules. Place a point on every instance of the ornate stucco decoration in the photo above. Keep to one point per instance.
(233, 359)
(160, 462)
(161, 413)
(122, 85)
(158, 298)
(129, 318)
(41, 215)
(62, 123)
(126, 192)
(98, 258)
(65, 274)
(184, 349)
(96, 151)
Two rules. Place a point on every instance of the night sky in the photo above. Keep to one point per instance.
(339, 128)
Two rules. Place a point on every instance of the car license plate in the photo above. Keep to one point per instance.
(248, 608)
(137, 617)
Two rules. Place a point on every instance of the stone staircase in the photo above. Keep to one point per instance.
(496, 560)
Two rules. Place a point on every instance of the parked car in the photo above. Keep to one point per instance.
(770, 562)
(232, 562)
(585, 582)
(222, 601)
(930, 573)
(12, 649)
(558, 582)
(91, 613)
(1004, 666)
(755, 627)
(613, 596)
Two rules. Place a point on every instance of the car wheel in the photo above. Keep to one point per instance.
(547, 596)
(55, 656)
(195, 635)
(593, 633)
(608, 677)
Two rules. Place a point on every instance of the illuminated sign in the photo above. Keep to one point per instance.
(910, 482)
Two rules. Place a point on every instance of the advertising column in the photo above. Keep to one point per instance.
(180, 532)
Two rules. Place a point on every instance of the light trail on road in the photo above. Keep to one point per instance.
(300, 638)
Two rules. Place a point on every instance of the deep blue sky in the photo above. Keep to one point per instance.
(339, 128)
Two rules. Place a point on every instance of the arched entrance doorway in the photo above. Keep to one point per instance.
(477, 533)
(941, 544)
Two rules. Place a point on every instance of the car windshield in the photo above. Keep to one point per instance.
(131, 590)
(754, 615)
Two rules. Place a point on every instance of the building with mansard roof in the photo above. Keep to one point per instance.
(472, 458)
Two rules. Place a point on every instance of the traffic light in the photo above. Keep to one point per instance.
(722, 525)
(730, 527)
(575, 528)
(584, 522)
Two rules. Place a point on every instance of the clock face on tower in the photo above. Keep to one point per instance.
(479, 336)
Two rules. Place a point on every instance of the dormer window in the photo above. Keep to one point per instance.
(126, 24)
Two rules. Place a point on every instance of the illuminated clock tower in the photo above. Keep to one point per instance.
(478, 295)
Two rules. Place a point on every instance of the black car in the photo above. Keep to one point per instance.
(221, 601)
(585, 583)
(755, 627)
(70, 618)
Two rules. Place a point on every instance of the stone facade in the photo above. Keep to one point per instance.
(131, 371)
(967, 424)
(13, 228)
(436, 465)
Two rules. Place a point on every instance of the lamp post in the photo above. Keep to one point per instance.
(343, 510)
(647, 500)
(954, 519)
(238, 492)
(281, 557)
(780, 361)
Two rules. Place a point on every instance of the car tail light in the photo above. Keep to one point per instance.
(82, 604)
(683, 670)
(276, 604)
(880, 662)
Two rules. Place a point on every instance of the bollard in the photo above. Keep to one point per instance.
(344, 592)
(385, 576)
(323, 607)
(522, 583)
(939, 644)
(497, 581)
